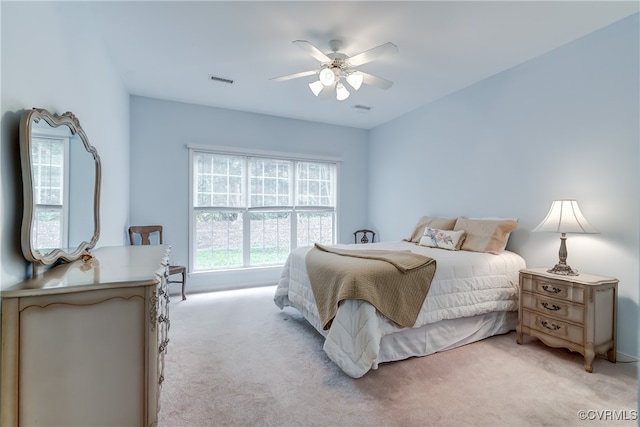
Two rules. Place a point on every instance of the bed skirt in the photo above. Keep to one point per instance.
(433, 337)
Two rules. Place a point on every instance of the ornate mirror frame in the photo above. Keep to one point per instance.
(52, 255)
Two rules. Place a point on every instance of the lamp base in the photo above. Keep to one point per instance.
(561, 267)
(563, 270)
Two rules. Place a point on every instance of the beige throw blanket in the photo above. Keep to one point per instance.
(394, 282)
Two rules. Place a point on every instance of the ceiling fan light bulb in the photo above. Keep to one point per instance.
(341, 92)
(327, 76)
(316, 87)
(355, 80)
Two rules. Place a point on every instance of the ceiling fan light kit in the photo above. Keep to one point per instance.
(327, 76)
(316, 87)
(341, 92)
(336, 67)
(355, 80)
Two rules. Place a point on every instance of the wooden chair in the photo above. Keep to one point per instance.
(365, 233)
(141, 235)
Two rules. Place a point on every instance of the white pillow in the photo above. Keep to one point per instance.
(443, 239)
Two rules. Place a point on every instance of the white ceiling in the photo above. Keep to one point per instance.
(167, 50)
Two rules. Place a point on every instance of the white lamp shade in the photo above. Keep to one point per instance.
(316, 87)
(327, 76)
(341, 92)
(355, 80)
(565, 217)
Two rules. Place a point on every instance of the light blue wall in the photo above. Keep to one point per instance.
(53, 59)
(564, 125)
(160, 133)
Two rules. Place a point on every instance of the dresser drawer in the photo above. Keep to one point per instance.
(553, 288)
(562, 310)
(553, 327)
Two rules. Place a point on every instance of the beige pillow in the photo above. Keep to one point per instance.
(485, 235)
(431, 222)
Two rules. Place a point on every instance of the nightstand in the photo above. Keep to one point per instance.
(575, 312)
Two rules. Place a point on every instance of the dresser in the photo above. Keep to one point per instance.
(84, 342)
(575, 312)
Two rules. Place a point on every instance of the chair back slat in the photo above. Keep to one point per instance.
(365, 236)
(144, 232)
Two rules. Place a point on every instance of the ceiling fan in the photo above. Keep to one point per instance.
(337, 68)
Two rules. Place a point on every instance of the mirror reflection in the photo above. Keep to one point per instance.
(63, 187)
(61, 173)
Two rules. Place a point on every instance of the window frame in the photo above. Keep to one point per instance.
(60, 137)
(275, 155)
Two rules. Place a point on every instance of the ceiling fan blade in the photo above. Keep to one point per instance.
(379, 82)
(372, 54)
(294, 76)
(312, 50)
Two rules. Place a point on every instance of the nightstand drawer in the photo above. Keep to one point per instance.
(553, 288)
(553, 327)
(550, 307)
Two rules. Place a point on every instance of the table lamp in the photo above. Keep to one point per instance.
(564, 217)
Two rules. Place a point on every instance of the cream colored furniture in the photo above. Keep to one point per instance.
(575, 312)
(84, 343)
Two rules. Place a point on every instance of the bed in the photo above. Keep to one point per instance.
(473, 294)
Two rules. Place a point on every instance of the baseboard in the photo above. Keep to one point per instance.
(625, 358)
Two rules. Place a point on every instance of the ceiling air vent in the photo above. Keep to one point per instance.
(220, 79)
(362, 108)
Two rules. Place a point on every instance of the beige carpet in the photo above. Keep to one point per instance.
(235, 359)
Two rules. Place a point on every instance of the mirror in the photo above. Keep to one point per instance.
(61, 186)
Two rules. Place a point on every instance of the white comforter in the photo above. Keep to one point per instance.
(465, 284)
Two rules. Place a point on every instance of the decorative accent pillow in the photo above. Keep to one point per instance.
(431, 222)
(444, 239)
(485, 235)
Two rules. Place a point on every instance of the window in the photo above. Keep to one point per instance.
(49, 156)
(251, 211)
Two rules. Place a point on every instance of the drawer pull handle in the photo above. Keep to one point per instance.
(551, 326)
(550, 307)
(551, 289)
